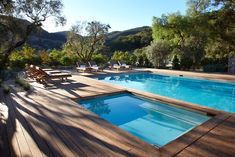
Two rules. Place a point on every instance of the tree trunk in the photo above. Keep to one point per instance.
(8, 52)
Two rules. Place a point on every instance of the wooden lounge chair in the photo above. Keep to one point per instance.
(44, 77)
(122, 64)
(32, 72)
(95, 67)
(83, 67)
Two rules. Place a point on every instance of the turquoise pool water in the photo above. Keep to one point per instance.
(152, 121)
(217, 95)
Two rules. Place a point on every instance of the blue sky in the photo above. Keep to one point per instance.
(119, 14)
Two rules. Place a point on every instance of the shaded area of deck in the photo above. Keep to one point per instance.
(48, 123)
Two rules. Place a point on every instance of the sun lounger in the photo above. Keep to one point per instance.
(82, 67)
(32, 72)
(95, 67)
(115, 65)
(44, 77)
(122, 64)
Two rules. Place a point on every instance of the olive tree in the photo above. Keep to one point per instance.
(86, 38)
(14, 31)
(158, 53)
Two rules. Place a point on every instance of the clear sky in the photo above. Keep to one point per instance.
(119, 14)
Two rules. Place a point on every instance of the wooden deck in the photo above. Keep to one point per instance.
(47, 122)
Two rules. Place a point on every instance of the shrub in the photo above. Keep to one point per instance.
(27, 55)
(175, 63)
(100, 59)
(65, 61)
(158, 53)
(141, 58)
(45, 58)
(6, 89)
(22, 83)
(55, 56)
(123, 56)
(186, 63)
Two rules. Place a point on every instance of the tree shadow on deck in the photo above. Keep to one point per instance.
(52, 137)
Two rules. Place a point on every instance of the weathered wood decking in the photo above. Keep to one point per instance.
(47, 122)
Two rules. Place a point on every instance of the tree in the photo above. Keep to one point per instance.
(14, 32)
(158, 53)
(175, 63)
(124, 57)
(85, 39)
(183, 35)
(141, 58)
(217, 19)
(26, 55)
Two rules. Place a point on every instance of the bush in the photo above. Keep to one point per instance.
(65, 61)
(158, 53)
(141, 58)
(175, 63)
(186, 63)
(124, 57)
(45, 58)
(27, 55)
(62, 58)
(6, 89)
(215, 65)
(55, 56)
(100, 59)
(215, 68)
(23, 83)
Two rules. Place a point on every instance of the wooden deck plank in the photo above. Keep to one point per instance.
(4, 144)
(57, 126)
(12, 131)
(219, 142)
(35, 151)
(46, 131)
(97, 146)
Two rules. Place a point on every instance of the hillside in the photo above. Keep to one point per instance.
(42, 39)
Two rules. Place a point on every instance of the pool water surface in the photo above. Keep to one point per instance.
(152, 121)
(213, 94)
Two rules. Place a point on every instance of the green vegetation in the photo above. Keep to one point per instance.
(201, 39)
(26, 55)
(6, 89)
(205, 33)
(158, 52)
(175, 63)
(24, 84)
(131, 42)
(100, 59)
(126, 57)
(86, 46)
(14, 33)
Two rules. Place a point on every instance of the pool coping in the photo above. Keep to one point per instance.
(187, 139)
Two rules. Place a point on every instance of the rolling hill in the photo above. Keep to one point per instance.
(42, 39)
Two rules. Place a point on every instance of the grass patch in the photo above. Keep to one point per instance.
(24, 84)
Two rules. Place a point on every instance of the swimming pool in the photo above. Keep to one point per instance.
(217, 95)
(152, 121)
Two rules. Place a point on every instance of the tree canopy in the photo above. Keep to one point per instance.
(85, 39)
(206, 31)
(14, 32)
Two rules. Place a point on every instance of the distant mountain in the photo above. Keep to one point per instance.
(116, 34)
(129, 40)
(41, 39)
